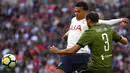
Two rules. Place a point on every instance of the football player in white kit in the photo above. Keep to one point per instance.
(72, 62)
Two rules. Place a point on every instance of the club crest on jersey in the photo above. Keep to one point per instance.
(75, 27)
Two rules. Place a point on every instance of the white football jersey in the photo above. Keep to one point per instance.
(76, 29)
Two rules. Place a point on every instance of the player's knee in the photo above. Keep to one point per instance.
(59, 71)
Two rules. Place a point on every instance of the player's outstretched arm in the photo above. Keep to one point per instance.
(123, 40)
(114, 21)
(72, 50)
(119, 38)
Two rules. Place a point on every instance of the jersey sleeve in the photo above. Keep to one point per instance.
(110, 22)
(84, 39)
(116, 37)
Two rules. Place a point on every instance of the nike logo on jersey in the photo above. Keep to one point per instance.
(75, 27)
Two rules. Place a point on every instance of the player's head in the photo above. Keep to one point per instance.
(92, 18)
(81, 9)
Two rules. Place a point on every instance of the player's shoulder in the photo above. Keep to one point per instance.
(89, 31)
(106, 26)
(74, 19)
(102, 25)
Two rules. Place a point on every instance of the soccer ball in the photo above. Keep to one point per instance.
(9, 61)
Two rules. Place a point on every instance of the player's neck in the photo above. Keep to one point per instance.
(92, 24)
(80, 18)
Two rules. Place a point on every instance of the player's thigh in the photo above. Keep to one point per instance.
(65, 64)
(59, 71)
(79, 60)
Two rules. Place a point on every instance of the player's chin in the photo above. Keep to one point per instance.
(76, 16)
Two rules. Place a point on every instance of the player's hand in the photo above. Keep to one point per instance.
(53, 49)
(125, 20)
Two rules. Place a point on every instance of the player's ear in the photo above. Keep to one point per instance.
(86, 11)
(88, 21)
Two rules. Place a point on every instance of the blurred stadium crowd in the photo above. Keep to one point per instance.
(29, 27)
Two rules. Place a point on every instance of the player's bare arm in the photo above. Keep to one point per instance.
(72, 50)
(123, 40)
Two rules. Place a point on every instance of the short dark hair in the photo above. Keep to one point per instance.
(93, 16)
(82, 4)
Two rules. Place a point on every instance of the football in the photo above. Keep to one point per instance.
(9, 61)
